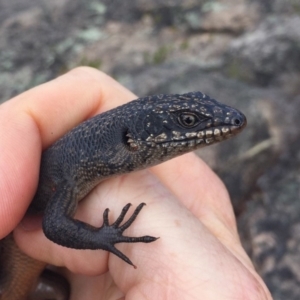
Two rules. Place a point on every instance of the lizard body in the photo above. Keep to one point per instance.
(134, 136)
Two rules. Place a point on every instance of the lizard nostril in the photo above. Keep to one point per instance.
(238, 121)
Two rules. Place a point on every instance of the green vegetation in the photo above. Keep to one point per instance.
(296, 6)
(96, 63)
(184, 45)
(159, 56)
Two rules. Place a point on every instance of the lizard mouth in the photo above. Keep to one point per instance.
(188, 139)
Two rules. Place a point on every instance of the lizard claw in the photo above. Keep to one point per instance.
(112, 234)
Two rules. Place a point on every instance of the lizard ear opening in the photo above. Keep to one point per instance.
(130, 143)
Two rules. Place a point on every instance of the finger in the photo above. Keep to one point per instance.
(204, 194)
(198, 187)
(59, 105)
(35, 119)
(87, 287)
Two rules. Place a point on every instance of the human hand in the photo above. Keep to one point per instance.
(198, 255)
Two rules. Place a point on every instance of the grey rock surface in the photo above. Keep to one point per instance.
(265, 54)
(243, 52)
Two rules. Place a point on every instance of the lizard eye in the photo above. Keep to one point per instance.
(188, 120)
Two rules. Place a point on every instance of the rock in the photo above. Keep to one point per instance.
(271, 227)
(263, 55)
(223, 16)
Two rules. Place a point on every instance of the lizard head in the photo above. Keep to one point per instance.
(181, 123)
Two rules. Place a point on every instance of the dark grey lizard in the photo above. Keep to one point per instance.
(134, 136)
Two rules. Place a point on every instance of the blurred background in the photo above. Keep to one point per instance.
(245, 53)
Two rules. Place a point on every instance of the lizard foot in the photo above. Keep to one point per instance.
(113, 233)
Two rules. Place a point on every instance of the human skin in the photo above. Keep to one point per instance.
(198, 255)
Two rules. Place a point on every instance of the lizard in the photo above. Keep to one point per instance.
(137, 135)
